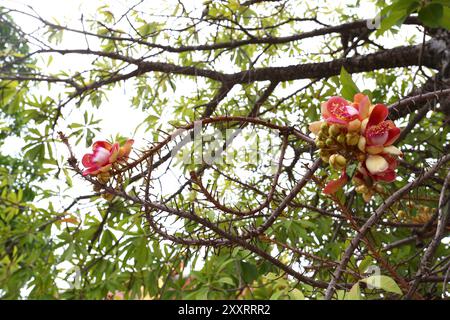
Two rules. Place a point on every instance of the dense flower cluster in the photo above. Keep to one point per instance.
(104, 157)
(357, 132)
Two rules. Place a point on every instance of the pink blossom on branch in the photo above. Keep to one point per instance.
(104, 156)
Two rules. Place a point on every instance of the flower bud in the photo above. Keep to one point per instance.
(322, 135)
(341, 161)
(337, 161)
(401, 214)
(324, 152)
(364, 125)
(103, 177)
(329, 142)
(361, 157)
(320, 144)
(362, 144)
(334, 130)
(379, 188)
(352, 139)
(107, 196)
(354, 126)
(362, 189)
(367, 196)
(341, 138)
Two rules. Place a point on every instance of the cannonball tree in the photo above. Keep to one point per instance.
(225, 150)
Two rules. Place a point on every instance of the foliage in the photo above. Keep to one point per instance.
(260, 70)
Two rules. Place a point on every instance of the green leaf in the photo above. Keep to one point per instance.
(349, 88)
(227, 280)
(383, 282)
(351, 169)
(431, 14)
(367, 261)
(276, 295)
(249, 272)
(354, 293)
(444, 22)
(394, 18)
(296, 294)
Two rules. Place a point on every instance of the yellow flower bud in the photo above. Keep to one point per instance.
(354, 126)
(362, 144)
(341, 161)
(103, 177)
(324, 126)
(401, 213)
(364, 125)
(341, 138)
(329, 142)
(352, 139)
(108, 196)
(337, 161)
(367, 196)
(334, 130)
(362, 189)
(320, 144)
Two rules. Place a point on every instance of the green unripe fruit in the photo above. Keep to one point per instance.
(324, 126)
(325, 158)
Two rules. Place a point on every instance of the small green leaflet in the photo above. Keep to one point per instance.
(351, 169)
(349, 88)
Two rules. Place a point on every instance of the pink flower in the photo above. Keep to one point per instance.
(379, 167)
(379, 132)
(340, 111)
(104, 155)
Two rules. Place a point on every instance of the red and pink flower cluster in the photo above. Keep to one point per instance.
(358, 131)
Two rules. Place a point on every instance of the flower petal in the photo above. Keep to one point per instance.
(376, 164)
(314, 127)
(364, 125)
(91, 171)
(387, 176)
(87, 160)
(393, 134)
(335, 185)
(101, 156)
(125, 150)
(101, 144)
(393, 150)
(332, 119)
(374, 149)
(339, 108)
(377, 138)
(378, 114)
(324, 110)
(114, 153)
(363, 103)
